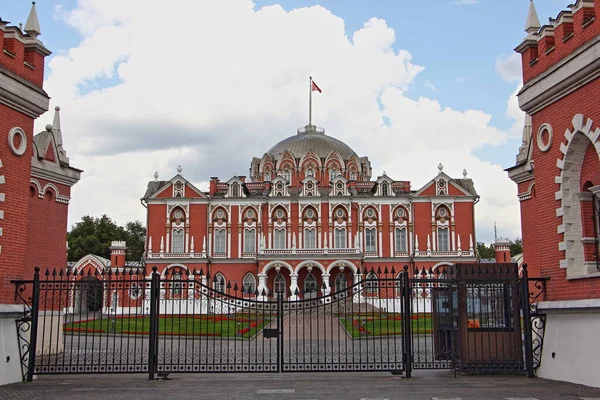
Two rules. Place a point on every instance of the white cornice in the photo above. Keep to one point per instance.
(574, 71)
(22, 97)
(54, 172)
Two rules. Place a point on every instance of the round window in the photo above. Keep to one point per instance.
(400, 212)
(309, 185)
(370, 213)
(220, 213)
(178, 185)
(442, 183)
(442, 212)
(178, 214)
(250, 214)
(339, 213)
(544, 137)
(279, 213)
(340, 185)
(280, 186)
(310, 213)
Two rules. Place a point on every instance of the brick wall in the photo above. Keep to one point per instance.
(16, 171)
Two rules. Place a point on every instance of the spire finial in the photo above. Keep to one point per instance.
(440, 167)
(156, 176)
(32, 26)
(179, 169)
(56, 127)
(533, 22)
(465, 173)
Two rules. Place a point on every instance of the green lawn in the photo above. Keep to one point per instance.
(208, 325)
(383, 325)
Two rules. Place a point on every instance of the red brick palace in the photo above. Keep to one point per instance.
(309, 217)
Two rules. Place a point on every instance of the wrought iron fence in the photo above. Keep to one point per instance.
(113, 321)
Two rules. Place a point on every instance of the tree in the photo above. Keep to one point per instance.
(516, 247)
(94, 236)
(136, 240)
(486, 251)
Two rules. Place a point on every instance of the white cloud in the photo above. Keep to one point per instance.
(509, 67)
(229, 81)
(431, 86)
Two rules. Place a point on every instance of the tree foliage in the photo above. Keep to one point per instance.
(488, 251)
(94, 236)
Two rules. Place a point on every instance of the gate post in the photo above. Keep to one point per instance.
(527, 322)
(279, 332)
(406, 320)
(153, 339)
(35, 310)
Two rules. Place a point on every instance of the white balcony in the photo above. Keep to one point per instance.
(174, 255)
(309, 251)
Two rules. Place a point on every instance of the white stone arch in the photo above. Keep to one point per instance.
(277, 263)
(573, 152)
(310, 155)
(52, 186)
(38, 187)
(441, 264)
(312, 263)
(99, 263)
(183, 268)
(345, 263)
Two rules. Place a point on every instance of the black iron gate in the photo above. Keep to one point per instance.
(111, 322)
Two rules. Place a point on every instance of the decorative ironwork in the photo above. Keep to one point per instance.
(534, 290)
(112, 321)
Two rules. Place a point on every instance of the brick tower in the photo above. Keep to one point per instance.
(557, 172)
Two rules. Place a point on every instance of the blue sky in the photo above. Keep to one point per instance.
(457, 44)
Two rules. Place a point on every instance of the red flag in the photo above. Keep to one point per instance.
(315, 87)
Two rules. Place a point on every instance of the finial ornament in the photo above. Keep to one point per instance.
(440, 167)
(532, 25)
(179, 169)
(156, 176)
(32, 26)
(465, 173)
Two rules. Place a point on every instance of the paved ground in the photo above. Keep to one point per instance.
(438, 385)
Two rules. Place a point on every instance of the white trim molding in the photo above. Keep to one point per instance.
(11, 139)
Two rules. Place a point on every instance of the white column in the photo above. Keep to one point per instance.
(228, 242)
(355, 281)
(300, 237)
(209, 248)
(380, 244)
(331, 240)
(270, 240)
(349, 243)
(294, 287)
(187, 242)
(392, 233)
(240, 235)
(288, 237)
(262, 286)
(453, 238)
(167, 247)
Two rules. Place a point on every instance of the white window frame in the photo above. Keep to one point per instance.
(249, 241)
(178, 240)
(313, 279)
(249, 286)
(220, 237)
(371, 246)
(339, 238)
(279, 238)
(400, 239)
(443, 243)
(221, 283)
(310, 238)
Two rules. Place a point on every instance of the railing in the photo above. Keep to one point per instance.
(309, 251)
(437, 253)
(175, 255)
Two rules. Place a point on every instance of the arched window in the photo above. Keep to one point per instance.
(177, 242)
(279, 238)
(310, 283)
(401, 239)
(310, 238)
(370, 240)
(219, 283)
(220, 241)
(339, 239)
(235, 190)
(353, 176)
(287, 174)
(249, 283)
(279, 284)
(332, 174)
(310, 172)
(371, 284)
(176, 283)
(250, 241)
(268, 176)
(443, 238)
(341, 283)
(384, 189)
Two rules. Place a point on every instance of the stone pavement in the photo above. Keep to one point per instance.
(429, 385)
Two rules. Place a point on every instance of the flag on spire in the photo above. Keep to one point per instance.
(314, 86)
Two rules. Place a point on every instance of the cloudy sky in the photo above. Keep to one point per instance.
(146, 86)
